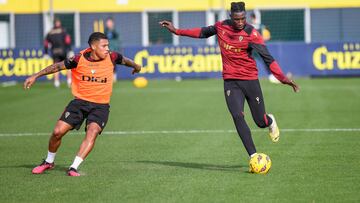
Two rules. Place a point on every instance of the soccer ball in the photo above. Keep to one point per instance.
(260, 163)
(140, 82)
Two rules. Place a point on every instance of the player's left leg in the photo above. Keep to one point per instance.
(96, 122)
(93, 130)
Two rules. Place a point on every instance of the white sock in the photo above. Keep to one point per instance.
(77, 162)
(50, 157)
(57, 83)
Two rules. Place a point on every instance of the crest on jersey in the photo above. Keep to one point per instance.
(241, 38)
(92, 71)
(67, 114)
(228, 92)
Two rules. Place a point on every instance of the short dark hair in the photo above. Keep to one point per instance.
(96, 36)
(237, 7)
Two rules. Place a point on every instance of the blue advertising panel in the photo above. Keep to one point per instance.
(318, 59)
(300, 59)
(17, 64)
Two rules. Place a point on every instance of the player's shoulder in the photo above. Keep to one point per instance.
(226, 22)
(114, 55)
(254, 34)
(75, 58)
(249, 29)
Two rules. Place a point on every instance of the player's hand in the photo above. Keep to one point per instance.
(295, 87)
(168, 25)
(137, 69)
(29, 82)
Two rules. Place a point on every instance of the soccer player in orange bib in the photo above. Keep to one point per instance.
(92, 75)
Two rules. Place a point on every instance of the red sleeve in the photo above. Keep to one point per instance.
(193, 32)
(277, 72)
(72, 62)
(116, 57)
(258, 44)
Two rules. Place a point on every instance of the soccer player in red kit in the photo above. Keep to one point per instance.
(92, 81)
(236, 40)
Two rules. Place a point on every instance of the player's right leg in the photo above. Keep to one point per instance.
(235, 101)
(93, 130)
(98, 115)
(71, 118)
(61, 128)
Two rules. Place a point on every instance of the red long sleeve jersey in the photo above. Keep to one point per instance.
(236, 47)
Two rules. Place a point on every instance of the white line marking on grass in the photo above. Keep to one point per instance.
(8, 83)
(143, 132)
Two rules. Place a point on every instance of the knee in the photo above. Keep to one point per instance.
(92, 133)
(57, 133)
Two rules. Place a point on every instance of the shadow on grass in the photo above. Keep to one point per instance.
(31, 166)
(202, 166)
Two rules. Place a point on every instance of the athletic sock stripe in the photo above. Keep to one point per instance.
(266, 120)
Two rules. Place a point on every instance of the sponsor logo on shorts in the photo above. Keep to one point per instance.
(67, 114)
(228, 92)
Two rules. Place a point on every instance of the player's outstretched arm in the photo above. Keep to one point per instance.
(196, 32)
(168, 25)
(130, 63)
(56, 67)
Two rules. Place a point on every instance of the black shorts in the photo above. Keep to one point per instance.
(78, 110)
(237, 91)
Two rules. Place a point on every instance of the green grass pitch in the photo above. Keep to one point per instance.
(175, 142)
